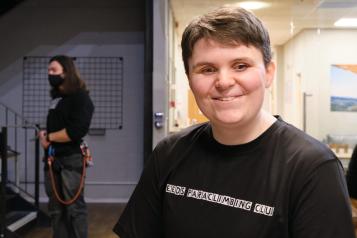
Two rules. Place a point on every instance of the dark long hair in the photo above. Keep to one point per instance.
(72, 80)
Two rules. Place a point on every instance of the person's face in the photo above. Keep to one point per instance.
(54, 68)
(56, 75)
(228, 82)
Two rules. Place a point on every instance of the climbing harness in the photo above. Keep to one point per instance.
(87, 161)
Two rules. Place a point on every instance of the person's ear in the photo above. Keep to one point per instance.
(269, 74)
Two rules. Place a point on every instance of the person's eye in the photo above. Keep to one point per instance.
(207, 70)
(240, 67)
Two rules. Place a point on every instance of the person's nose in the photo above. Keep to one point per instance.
(224, 80)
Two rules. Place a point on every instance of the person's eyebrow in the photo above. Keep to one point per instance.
(244, 59)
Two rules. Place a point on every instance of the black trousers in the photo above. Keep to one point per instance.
(68, 221)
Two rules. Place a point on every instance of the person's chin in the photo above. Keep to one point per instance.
(228, 118)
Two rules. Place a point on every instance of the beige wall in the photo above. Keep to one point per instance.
(307, 61)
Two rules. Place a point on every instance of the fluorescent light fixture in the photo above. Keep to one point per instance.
(253, 5)
(346, 22)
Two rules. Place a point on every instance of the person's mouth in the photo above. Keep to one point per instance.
(226, 98)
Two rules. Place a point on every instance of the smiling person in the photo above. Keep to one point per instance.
(245, 173)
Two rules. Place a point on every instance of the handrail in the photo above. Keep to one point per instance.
(11, 110)
(3, 154)
(11, 123)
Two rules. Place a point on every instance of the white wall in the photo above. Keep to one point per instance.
(307, 61)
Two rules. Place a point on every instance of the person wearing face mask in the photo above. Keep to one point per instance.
(68, 120)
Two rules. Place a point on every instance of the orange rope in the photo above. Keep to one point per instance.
(72, 200)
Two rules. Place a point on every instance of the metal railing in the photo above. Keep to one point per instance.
(20, 161)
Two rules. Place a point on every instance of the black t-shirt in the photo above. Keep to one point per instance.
(351, 175)
(73, 112)
(282, 184)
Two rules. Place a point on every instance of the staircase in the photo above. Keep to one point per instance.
(19, 211)
(19, 206)
(19, 193)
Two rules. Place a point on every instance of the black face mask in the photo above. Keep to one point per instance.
(55, 80)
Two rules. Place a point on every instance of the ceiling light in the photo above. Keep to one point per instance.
(253, 5)
(346, 22)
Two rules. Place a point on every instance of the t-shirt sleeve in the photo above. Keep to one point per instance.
(322, 208)
(351, 175)
(142, 215)
(80, 116)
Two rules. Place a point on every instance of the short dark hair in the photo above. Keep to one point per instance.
(72, 80)
(230, 26)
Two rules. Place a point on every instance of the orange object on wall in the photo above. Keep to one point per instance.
(194, 113)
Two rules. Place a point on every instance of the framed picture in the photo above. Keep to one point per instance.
(343, 88)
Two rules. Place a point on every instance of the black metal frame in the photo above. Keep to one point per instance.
(3, 197)
(103, 75)
(148, 69)
(4, 232)
(13, 126)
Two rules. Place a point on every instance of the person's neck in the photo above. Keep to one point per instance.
(245, 132)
